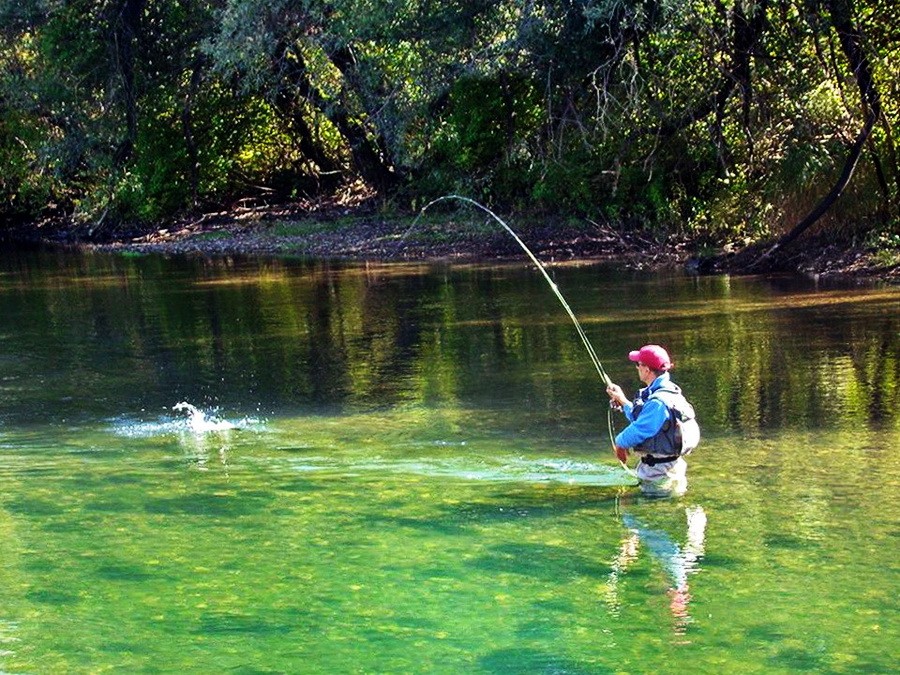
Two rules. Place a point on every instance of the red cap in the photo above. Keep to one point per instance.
(652, 356)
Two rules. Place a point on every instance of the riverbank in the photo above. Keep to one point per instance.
(363, 234)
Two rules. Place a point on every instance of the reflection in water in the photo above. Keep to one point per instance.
(423, 491)
(202, 447)
(8, 637)
(281, 334)
(677, 561)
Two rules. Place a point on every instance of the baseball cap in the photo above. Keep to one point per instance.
(652, 356)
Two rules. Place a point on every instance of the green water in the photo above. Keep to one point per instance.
(411, 471)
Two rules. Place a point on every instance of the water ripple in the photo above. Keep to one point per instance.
(468, 468)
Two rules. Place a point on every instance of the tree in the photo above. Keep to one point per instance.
(851, 40)
(718, 118)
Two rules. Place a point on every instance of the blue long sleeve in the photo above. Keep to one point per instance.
(652, 416)
(647, 425)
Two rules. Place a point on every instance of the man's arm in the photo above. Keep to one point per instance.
(653, 415)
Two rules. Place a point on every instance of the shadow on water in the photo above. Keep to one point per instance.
(126, 648)
(548, 502)
(229, 623)
(210, 505)
(33, 507)
(299, 486)
(52, 597)
(425, 524)
(456, 519)
(117, 506)
(123, 572)
(796, 659)
(538, 560)
(534, 661)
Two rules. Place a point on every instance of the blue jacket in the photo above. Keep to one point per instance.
(652, 417)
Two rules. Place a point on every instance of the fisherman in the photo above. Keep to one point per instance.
(662, 425)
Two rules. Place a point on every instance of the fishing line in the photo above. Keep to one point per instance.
(584, 339)
(543, 270)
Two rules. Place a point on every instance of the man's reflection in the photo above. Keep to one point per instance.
(679, 561)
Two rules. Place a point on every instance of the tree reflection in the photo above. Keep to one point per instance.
(753, 356)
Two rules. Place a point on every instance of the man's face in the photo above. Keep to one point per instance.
(645, 374)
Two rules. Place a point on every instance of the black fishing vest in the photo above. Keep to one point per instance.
(679, 433)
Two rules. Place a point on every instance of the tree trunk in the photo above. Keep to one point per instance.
(369, 155)
(369, 148)
(746, 33)
(833, 195)
(842, 13)
(187, 126)
(293, 90)
(126, 24)
(851, 43)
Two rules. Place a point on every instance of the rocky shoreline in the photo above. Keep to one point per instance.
(347, 234)
(389, 240)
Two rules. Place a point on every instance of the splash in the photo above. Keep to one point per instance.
(199, 422)
(195, 423)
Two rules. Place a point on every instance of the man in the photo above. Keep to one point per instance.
(653, 430)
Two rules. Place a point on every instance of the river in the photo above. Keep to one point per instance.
(297, 466)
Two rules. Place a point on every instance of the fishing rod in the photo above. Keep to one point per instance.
(584, 339)
(543, 270)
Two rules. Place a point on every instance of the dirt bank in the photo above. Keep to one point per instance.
(361, 234)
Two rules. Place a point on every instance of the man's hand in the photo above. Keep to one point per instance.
(621, 453)
(616, 395)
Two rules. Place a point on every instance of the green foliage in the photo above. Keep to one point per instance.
(23, 191)
(485, 117)
(736, 213)
(884, 243)
(679, 116)
(565, 186)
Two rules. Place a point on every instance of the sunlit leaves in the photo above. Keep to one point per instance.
(658, 113)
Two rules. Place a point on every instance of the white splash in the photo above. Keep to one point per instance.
(199, 422)
(196, 423)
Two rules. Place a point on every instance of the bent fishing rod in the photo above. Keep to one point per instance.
(543, 270)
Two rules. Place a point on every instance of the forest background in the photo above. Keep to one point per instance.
(723, 122)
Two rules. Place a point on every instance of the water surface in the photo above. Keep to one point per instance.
(405, 468)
